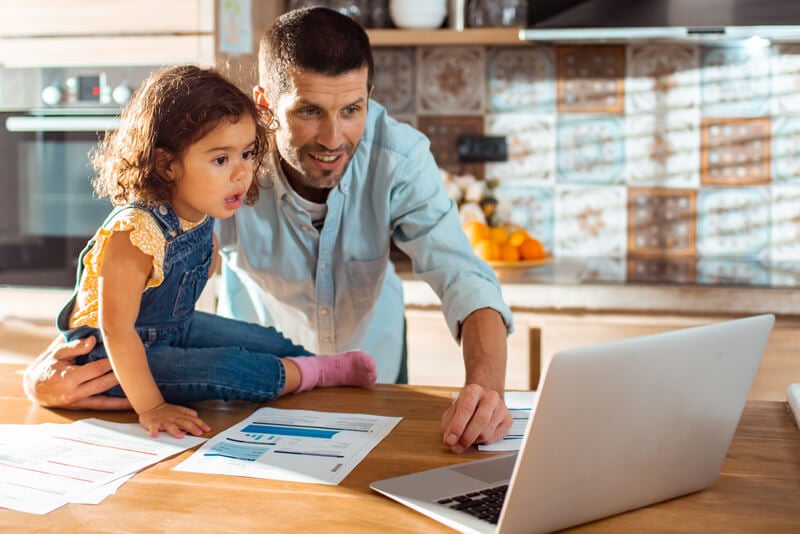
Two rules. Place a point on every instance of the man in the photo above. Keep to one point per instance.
(312, 256)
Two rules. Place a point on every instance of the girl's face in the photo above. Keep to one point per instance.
(212, 175)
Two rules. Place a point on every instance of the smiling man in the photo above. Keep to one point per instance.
(311, 257)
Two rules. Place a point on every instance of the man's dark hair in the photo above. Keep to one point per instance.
(315, 39)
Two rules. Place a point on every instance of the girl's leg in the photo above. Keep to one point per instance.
(208, 330)
(234, 373)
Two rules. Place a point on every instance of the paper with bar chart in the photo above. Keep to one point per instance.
(293, 445)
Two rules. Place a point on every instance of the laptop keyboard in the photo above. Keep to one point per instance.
(485, 504)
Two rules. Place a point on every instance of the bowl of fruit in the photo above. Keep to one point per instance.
(501, 244)
(507, 245)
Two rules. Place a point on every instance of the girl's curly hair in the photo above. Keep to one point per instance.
(173, 109)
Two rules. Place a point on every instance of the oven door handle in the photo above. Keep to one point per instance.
(29, 123)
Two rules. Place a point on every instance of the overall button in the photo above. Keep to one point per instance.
(162, 209)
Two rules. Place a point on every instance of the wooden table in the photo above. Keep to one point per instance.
(758, 490)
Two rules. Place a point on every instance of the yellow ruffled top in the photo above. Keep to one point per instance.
(145, 234)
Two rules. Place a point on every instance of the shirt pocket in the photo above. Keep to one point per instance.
(365, 280)
(192, 284)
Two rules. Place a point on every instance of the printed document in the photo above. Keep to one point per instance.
(46, 466)
(520, 404)
(293, 445)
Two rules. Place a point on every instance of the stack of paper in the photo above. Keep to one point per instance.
(46, 466)
(793, 400)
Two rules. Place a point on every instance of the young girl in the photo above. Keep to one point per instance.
(189, 149)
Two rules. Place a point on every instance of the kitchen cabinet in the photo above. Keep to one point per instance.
(435, 358)
(53, 33)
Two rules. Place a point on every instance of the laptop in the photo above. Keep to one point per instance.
(616, 426)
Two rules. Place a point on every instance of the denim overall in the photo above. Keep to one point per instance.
(193, 355)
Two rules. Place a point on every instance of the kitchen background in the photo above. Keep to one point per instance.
(655, 161)
(672, 161)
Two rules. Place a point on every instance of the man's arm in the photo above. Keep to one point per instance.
(479, 414)
(54, 380)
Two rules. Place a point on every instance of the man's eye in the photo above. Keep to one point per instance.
(351, 110)
(221, 160)
(309, 112)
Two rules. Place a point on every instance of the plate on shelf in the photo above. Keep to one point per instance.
(522, 263)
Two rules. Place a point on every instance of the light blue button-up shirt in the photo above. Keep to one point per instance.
(335, 289)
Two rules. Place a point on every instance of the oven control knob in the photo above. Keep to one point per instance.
(51, 95)
(121, 94)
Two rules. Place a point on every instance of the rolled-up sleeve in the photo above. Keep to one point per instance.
(427, 228)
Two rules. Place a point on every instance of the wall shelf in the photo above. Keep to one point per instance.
(444, 37)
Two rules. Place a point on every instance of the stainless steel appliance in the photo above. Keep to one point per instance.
(50, 119)
(707, 21)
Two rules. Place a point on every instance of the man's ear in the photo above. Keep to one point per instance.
(164, 164)
(369, 92)
(260, 96)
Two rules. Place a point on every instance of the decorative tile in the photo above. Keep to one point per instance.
(529, 207)
(451, 80)
(521, 79)
(591, 79)
(531, 147)
(785, 149)
(591, 149)
(726, 271)
(735, 151)
(590, 221)
(784, 274)
(663, 149)
(662, 78)
(785, 242)
(786, 79)
(444, 133)
(603, 270)
(733, 221)
(394, 79)
(661, 221)
(736, 82)
(674, 270)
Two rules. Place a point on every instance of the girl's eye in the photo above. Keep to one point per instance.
(248, 154)
(220, 160)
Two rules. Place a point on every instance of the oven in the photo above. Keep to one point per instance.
(48, 209)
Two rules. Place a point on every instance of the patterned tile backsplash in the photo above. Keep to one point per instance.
(669, 159)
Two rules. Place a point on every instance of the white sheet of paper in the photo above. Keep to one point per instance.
(520, 404)
(46, 466)
(293, 445)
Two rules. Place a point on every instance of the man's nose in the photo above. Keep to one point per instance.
(330, 134)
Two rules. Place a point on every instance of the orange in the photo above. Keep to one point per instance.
(532, 249)
(498, 234)
(487, 250)
(517, 237)
(475, 231)
(508, 252)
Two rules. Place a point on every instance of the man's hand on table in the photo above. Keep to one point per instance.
(54, 380)
(478, 415)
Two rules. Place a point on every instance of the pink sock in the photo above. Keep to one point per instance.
(351, 368)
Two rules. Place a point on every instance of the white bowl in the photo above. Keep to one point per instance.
(416, 14)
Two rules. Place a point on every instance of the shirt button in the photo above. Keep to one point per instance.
(326, 340)
(323, 265)
(305, 228)
(323, 311)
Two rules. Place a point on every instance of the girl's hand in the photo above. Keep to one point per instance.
(173, 419)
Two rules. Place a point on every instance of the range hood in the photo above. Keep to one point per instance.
(723, 21)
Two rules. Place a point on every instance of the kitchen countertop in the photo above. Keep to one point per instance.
(683, 286)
